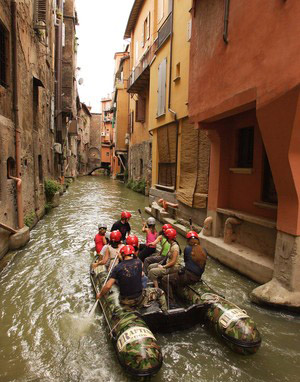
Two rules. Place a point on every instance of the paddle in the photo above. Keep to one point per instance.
(191, 224)
(92, 311)
(140, 212)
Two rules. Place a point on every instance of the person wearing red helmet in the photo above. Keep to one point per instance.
(194, 259)
(165, 248)
(112, 251)
(134, 241)
(128, 274)
(123, 225)
(172, 263)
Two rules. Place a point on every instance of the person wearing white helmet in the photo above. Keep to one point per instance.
(100, 239)
(149, 248)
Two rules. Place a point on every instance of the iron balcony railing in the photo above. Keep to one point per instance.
(142, 65)
(164, 31)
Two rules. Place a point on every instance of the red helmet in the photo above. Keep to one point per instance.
(127, 250)
(170, 233)
(166, 226)
(115, 236)
(192, 235)
(125, 215)
(132, 240)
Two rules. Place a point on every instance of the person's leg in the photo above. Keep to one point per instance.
(155, 273)
(151, 260)
(152, 294)
(147, 251)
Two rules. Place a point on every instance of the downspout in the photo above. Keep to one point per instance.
(226, 20)
(58, 69)
(170, 92)
(16, 113)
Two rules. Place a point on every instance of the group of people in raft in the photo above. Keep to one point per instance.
(130, 265)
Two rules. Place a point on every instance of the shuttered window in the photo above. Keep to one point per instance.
(140, 109)
(40, 11)
(162, 83)
(167, 144)
(3, 55)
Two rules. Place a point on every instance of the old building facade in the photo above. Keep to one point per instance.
(244, 92)
(31, 111)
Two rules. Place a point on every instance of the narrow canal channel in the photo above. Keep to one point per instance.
(46, 293)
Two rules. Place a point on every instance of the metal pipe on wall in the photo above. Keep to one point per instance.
(15, 74)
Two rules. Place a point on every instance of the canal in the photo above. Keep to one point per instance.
(46, 294)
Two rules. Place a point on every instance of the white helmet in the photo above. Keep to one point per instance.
(151, 221)
(102, 225)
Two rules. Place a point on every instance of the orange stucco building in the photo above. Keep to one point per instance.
(244, 91)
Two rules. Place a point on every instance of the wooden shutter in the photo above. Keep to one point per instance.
(161, 93)
(140, 109)
(40, 11)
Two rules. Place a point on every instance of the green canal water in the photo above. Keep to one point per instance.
(46, 294)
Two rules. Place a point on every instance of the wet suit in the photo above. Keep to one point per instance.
(124, 228)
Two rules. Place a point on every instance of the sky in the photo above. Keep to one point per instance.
(101, 29)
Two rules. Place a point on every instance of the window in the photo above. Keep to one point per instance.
(136, 52)
(40, 163)
(245, 147)
(269, 194)
(11, 167)
(141, 167)
(162, 83)
(140, 109)
(160, 13)
(40, 13)
(35, 103)
(3, 55)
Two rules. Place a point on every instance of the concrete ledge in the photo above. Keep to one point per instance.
(249, 218)
(19, 239)
(246, 261)
(274, 294)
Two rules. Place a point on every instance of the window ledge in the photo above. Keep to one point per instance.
(240, 170)
(247, 217)
(266, 205)
(165, 188)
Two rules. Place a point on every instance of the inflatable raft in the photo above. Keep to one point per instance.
(135, 345)
(232, 324)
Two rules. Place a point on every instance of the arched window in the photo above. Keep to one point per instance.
(11, 167)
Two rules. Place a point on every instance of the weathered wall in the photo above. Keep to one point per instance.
(140, 162)
(253, 58)
(35, 59)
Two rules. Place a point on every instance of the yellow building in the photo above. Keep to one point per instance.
(121, 110)
(160, 31)
(180, 153)
(141, 30)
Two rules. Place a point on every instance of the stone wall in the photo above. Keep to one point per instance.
(36, 88)
(140, 162)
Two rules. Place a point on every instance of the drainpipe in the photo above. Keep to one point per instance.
(170, 92)
(58, 80)
(226, 19)
(14, 36)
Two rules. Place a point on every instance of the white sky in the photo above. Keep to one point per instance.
(101, 29)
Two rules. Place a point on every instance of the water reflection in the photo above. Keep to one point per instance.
(46, 295)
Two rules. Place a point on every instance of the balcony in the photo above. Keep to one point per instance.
(164, 31)
(140, 76)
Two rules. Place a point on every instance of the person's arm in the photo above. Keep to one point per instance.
(145, 229)
(104, 240)
(106, 288)
(156, 241)
(173, 260)
(103, 261)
